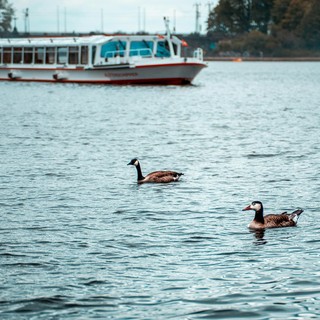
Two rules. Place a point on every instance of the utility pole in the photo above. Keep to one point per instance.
(15, 24)
(144, 19)
(198, 27)
(2, 11)
(65, 20)
(209, 4)
(174, 21)
(139, 19)
(102, 16)
(58, 19)
(26, 20)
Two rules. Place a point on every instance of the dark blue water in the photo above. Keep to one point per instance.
(79, 239)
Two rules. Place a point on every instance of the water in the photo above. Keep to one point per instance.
(79, 239)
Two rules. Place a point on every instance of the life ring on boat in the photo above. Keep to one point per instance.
(14, 75)
(60, 76)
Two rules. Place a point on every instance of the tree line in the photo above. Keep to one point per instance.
(269, 27)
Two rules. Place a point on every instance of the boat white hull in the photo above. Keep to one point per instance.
(172, 73)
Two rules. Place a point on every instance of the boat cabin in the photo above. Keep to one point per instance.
(86, 51)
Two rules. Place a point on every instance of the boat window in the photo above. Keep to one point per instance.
(94, 49)
(62, 55)
(50, 55)
(28, 55)
(84, 55)
(163, 49)
(17, 55)
(141, 48)
(113, 49)
(73, 55)
(6, 55)
(175, 48)
(39, 55)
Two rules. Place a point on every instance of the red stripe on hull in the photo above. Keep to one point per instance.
(169, 81)
(184, 64)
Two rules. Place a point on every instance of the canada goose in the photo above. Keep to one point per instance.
(271, 220)
(156, 176)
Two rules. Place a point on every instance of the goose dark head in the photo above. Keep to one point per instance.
(133, 162)
(255, 205)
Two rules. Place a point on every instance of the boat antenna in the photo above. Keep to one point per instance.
(166, 22)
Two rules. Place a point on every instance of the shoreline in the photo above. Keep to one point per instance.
(263, 59)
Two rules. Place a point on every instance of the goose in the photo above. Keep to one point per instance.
(156, 176)
(271, 220)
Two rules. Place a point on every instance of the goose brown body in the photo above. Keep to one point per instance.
(156, 176)
(271, 220)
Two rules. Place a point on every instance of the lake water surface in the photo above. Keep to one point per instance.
(79, 239)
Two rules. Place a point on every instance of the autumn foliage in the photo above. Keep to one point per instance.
(269, 27)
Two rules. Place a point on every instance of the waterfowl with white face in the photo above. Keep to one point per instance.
(156, 176)
(271, 220)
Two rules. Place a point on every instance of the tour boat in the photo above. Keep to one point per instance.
(100, 59)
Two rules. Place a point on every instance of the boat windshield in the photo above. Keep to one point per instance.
(112, 49)
(141, 48)
(163, 49)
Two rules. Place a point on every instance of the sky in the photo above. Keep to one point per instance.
(110, 16)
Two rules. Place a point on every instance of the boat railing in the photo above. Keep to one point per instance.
(114, 54)
(142, 52)
(198, 54)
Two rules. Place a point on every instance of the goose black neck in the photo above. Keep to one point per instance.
(259, 216)
(140, 176)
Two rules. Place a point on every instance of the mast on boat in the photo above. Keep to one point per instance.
(166, 22)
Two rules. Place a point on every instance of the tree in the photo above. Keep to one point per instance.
(310, 26)
(294, 15)
(220, 20)
(246, 24)
(279, 10)
(230, 17)
(6, 15)
(236, 17)
(296, 23)
(261, 15)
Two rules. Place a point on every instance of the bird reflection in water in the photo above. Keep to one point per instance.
(259, 235)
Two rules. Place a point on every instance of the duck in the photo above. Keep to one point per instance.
(156, 176)
(271, 220)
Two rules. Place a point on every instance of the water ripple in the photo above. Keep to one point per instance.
(79, 239)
